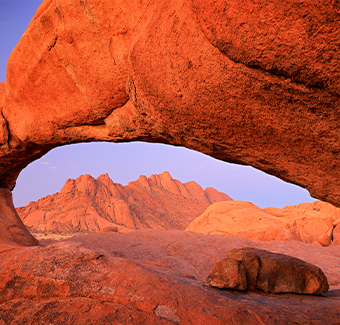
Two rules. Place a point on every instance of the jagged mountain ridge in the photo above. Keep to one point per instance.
(89, 204)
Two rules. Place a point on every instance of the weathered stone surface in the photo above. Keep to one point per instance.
(326, 238)
(176, 72)
(277, 273)
(284, 234)
(88, 204)
(336, 233)
(11, 226)
(238, 218)
(306, 222)
(150, 277)
(336, 222)
(227, 273)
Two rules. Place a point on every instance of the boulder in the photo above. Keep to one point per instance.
(227, 273)
(326, 238)
(239, 218)
(306, 222)
(278, 273)
(109, 229)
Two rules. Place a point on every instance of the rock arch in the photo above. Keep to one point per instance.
(255, 85)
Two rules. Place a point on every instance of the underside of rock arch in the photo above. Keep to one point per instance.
(254, 84)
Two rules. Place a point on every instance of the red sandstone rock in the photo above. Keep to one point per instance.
(93, 204)
(227, 273)
(257, 85)
(150, 277)
(277, 273)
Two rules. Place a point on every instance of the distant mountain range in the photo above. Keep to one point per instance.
(89, 204)
(161, 202)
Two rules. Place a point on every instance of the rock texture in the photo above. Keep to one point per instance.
(11, 223)
(88, 204)
(228, 273)
(255, 84)
(278, 273)
(307, 222)
(151, 277)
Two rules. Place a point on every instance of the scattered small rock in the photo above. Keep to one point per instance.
(109, 229)
(107, 291)
(167, 312)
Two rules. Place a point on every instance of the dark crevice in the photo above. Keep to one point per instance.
(75, 125)
(50, 47)
(7, 141)
(278, 73)
(223, 48)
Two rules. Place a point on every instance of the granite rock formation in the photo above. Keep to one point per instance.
(255, 85)
(88, 204)
(308, 222)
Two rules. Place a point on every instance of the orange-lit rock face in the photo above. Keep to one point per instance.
(88, 204)
(307, 222)
(255, 84)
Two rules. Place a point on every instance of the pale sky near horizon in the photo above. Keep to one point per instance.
(125, 162)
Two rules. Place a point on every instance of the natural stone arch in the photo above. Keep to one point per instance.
(254, 84)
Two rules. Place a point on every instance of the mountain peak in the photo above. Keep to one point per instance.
(89, 204)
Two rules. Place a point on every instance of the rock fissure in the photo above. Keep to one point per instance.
(4, 129)
(50, 47)
(275, 74)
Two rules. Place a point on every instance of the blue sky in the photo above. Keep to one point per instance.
(125, 162)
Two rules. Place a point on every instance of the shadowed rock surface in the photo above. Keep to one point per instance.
(151, 277)
(88, 204)
(228, 273)
(176, 72)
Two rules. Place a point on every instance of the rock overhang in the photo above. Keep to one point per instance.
(176, 72)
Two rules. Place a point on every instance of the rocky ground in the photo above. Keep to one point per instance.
(151, 277)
